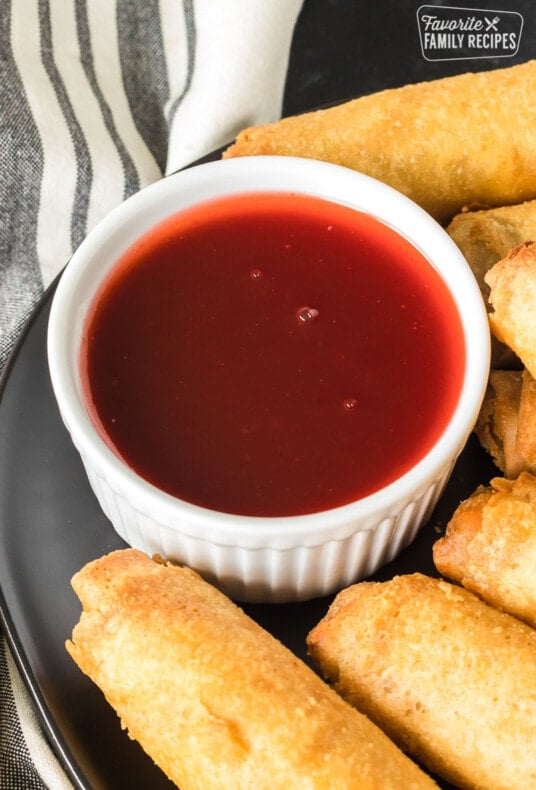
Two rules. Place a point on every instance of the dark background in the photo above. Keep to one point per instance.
(347, 48)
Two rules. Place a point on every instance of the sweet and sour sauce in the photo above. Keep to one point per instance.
(272, 354)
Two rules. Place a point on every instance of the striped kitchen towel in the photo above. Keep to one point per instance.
(99, 98)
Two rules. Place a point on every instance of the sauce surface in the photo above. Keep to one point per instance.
(272, 355)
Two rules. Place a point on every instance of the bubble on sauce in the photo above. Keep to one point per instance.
(256, 274)
(350, 404)
(307, 315)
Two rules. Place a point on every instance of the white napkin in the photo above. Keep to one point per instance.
(98, 100)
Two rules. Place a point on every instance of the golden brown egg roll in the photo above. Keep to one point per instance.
(512, 297)
(490, 546)
(451, 679)
(526, 422)
(486, 236)
(214, 699)
(506, 425)
(446, 143)
(497, 422)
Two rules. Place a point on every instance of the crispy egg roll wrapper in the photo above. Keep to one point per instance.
(526, 429)
(498, 419)
(506, 424)
(451, 679)
(490, 545)
(445, 143)
(485, 237)
(512, 283)
(214, 699)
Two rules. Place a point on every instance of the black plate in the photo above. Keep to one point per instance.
(50, 523)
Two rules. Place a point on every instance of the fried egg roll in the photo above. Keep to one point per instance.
(490, 545)
(486, 236)
(213, 698)
(526, 423)
(451, 679)
(506, 425)
(446, 143)
(512, 283)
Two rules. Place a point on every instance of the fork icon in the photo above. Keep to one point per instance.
(492, 23)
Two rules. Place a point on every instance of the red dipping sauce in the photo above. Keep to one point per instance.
(272, 355)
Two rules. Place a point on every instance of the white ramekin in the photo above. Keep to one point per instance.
(264, 559)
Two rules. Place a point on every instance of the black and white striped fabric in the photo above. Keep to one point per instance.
(99, 98)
